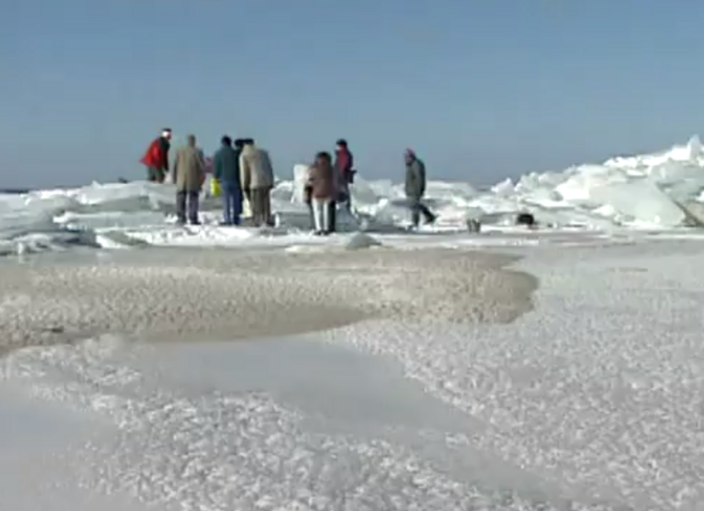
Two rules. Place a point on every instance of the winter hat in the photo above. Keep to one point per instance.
(410, 153)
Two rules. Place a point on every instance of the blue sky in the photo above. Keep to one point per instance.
(481, 89)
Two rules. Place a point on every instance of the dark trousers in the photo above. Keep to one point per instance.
(156, 175)
(332, 216)
(260, 203)
(231, 202)
(417, 209)
(187, 205)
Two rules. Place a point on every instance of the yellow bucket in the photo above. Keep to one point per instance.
(215, 189)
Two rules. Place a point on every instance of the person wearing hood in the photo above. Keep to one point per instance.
(415, 188)
(226, 169)
(189, 175)
(321, 190)
(257, 180)
(156, 158)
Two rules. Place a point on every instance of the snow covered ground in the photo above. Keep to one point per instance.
(591, 401)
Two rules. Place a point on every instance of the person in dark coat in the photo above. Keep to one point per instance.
(226, 169)
(156, 158)
(415, 188)
(344, 166)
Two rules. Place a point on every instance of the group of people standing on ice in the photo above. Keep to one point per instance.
(244, 170)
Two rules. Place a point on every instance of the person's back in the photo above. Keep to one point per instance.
(226, 165)
(189, 176)
(256, 168)
(257, 180)
(227, 171)
(321, 180)
(189, 169)
(156, 158)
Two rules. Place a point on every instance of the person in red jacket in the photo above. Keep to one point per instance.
(344, 177)
(156, 158)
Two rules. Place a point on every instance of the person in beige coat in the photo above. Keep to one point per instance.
(257, 179)
(189, 175)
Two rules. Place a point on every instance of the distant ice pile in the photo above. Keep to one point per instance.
(652, 191)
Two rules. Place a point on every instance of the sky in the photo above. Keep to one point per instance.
(481, 89)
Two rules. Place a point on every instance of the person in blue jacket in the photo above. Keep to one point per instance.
(226, 169)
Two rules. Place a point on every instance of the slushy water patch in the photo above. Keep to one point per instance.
(275, 424)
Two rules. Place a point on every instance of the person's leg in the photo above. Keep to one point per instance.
(236, 206)
(318, 206)
(266, 207)
(427, 214)
(325, 210)
(255, 205)
(332, 215)
(311, 214)
(151, 174)
(181, 207)
(227, 199)
(414, 206)
(193, 198)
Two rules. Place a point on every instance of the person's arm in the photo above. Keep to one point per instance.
(269, 168)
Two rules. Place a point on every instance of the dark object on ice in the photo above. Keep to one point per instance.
(474, 225)
(525, 219)
(122, 180)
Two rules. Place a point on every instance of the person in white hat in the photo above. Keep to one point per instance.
(156, 159)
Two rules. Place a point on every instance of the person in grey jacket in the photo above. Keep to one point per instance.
(415, 188)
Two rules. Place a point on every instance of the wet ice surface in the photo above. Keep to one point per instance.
(593, 401)
(38, 441)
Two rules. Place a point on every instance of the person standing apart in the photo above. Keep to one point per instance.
(415, 188)
(156, 159)
(189, 175)
(226, 169)
(344, 167)
(321, 182)
(257, 180)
